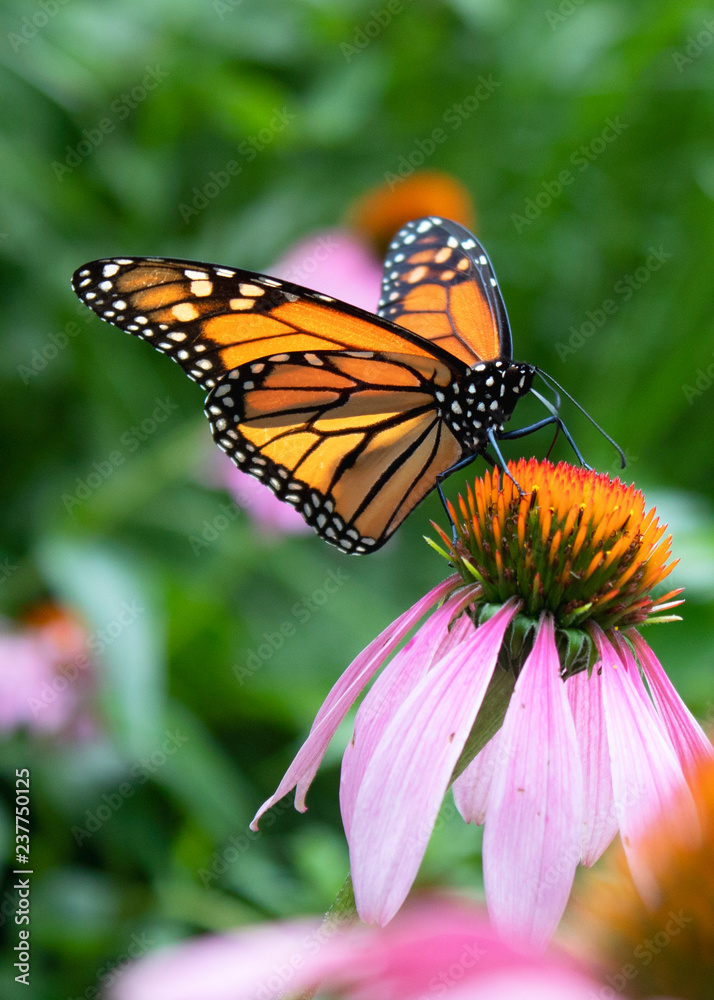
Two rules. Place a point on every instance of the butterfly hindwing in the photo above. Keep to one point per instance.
(353, 440)
(213, 319)
(439, 283)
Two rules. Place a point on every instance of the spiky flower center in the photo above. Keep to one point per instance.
(575, 543)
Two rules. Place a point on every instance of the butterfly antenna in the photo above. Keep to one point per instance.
(555, 386)
(555, 418)
(558, 425)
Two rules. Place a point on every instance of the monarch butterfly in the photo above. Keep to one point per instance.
(351, 417)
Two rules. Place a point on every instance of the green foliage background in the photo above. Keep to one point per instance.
(558, 73)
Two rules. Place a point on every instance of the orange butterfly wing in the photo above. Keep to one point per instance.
(439, 283)
(353, 440)
(213, 319)
(349, 416)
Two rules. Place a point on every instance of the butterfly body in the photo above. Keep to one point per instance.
(483, 399)
(351, 417)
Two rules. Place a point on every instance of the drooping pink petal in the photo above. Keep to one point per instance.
(686, 735)
(371, 658)
(632, 667)
(342, 696)
(646, 774)
(472, 786)
(532, 837)
(599, 819)
(456, 632)
(408, 774)
(390, 689)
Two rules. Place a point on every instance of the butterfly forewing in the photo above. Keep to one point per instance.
(213, 319)
(353, 446)
(439, 283)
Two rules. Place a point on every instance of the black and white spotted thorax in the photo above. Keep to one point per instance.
(482, 399)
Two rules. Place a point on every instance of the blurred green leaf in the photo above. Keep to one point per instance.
(126, 632)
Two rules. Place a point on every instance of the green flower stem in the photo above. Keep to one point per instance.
(489, 719)
(343, 912)
(344, 908)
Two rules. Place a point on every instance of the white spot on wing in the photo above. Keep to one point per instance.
(185, 311)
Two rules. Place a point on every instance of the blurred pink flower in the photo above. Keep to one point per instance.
(583, 749)
(434, 949)
(334, 262)
(44, 674)
(272, 517)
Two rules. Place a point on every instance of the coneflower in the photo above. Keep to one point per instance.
(526, 688)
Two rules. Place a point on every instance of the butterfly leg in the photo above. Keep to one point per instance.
(501, 460)
(520, 432)
(448, 512)
(461, 464)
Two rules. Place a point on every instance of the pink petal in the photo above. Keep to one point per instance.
(391, 688)
(457, 631)
(343, 694)
(599, 819)
(533, 831)
(409, 772)
(646, 774)
(472, 786)
(685, 734)
(633, 669)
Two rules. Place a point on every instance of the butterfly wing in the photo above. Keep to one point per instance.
(352, 439)
(341, 412)
(439, 283)
(213, 319)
